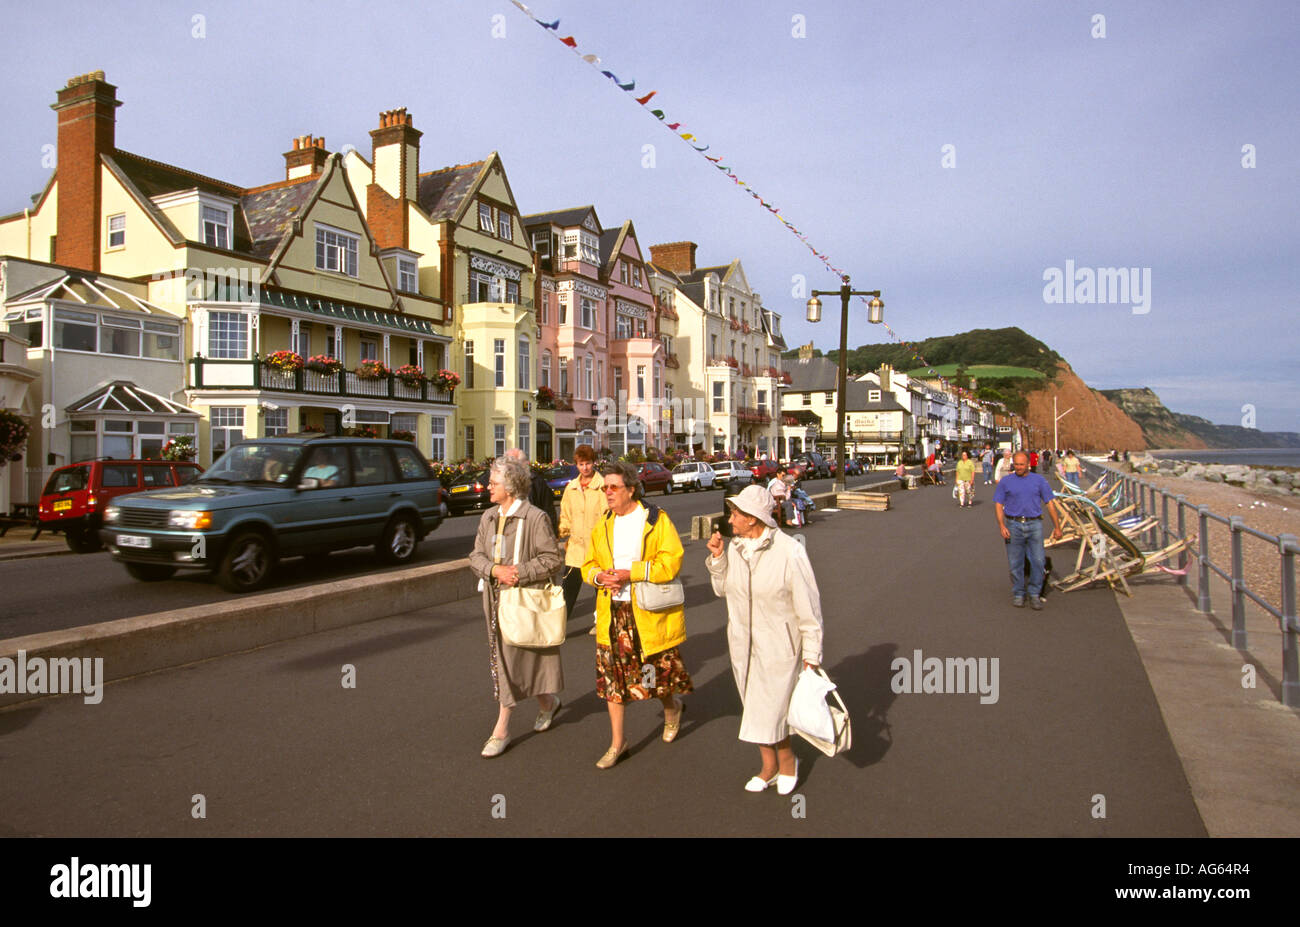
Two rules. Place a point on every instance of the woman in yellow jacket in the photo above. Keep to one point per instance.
(636, 649)
(581, 508)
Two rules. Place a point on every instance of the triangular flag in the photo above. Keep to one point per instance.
(646, 99)
(568, 39)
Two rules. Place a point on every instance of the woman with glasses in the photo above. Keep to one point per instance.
(517, 672)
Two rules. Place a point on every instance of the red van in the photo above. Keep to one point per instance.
(75, 496)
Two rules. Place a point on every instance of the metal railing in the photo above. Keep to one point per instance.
(207, 373)
(1153, 501)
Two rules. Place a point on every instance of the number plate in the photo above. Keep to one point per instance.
(133, 540)
(63, 505)
(460, 489)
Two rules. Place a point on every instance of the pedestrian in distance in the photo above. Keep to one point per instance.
(1003, 467)
(779, 487)
(637, 655)
(517, 673)
(1018, 501)
(1071, 466)
(774, 628)
(539, 491)
(900, 472)
(986, 460)
(965, 480)
(581, 507)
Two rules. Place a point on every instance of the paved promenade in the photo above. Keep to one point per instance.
(276, 746)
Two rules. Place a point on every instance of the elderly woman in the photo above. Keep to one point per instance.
(517, 673)
(774, 628)
(636, 649)
(965, 480)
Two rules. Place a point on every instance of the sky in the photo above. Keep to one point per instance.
(954, 155)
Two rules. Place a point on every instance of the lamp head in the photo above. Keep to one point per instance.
(814, 310)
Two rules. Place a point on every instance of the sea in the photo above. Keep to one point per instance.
(1249, 456)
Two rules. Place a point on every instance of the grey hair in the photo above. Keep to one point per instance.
(514, 476)
(630, 477)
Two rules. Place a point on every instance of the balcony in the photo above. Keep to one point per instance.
(209, 374)
(670, 361)
(725, 362)
(750, 416)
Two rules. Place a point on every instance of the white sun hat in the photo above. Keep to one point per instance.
(755, 501)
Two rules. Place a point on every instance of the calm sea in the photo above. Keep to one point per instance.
(1251, 456)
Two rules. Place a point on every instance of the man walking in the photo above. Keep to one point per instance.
(986, 458)
(1018, 501)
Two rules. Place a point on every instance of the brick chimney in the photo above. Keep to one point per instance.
(886, 377)
(307, 158)
(395, 171)
(87, 128)
(677, 256)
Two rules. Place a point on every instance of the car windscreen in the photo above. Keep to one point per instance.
(566, 471)
(464, 479)
(69, 480)
(266, 464)
(684, 468)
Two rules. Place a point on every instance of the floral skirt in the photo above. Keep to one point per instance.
(624, 675)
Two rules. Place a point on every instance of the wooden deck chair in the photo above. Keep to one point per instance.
(1076, 525)
(1115, 558)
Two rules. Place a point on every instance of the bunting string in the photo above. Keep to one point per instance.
(693, 140)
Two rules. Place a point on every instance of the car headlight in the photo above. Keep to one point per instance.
(111, 513)
(191, 520)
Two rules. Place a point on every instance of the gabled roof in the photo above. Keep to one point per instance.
(565, 218)
(820, 374)
(270, 212)
(611, 245)
(125, 396)
(443, 192)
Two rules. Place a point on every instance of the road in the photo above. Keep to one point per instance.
(51, 593)
(278, 747)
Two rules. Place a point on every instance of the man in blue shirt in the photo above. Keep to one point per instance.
(1018, 500)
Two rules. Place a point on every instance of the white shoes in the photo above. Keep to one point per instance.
(757, 784)
(785, 784)
(496, 746)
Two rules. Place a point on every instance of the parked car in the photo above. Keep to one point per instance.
(762, 470)
(279, 497)
(655, 476)
(468, 492)
(75, 496)
(812, 466)
(851, 468)
(693, 474)
(559, 476)
(729, 472)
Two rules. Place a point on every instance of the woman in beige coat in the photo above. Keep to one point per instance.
(774, 627)
(517, 673)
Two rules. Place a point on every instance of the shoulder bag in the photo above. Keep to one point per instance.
(817, 713)
(531, 617)
(658, 597)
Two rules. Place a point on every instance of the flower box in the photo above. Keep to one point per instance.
(284, 361)
(371, 370)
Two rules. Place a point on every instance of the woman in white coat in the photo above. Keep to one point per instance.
(774, 628)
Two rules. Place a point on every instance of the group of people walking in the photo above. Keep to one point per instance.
(631, 553)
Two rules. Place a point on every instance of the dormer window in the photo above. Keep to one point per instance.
(636, 276)
(873, 395)
(336, 251)
(407, 281)
(216, 226)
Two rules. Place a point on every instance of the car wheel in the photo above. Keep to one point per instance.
(83, 540)
(398, 542)
(668, 490)
(150, 572)
(248, 563)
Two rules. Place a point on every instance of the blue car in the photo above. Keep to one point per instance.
(558, 477)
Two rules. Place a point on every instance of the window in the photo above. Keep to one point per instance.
(437, 438)
(622, 326)
(403, 421)
(336, 251)
(564, 309)
(498, 440)
(544, 310)
(545, 376)
(588, 313)
(622, 271)
(216, 227)
(636, 276)
(227, 335)
(406, 278)
(73, 330)
(586, 377)
(469, 441)
(762, 400)
(485, 218)
(618, 381)
(499, 351)
(564, 376)
(640, 328)
(640, 381)
(118, 336)
(873, 395)
(372, 466)
(830, 396)
(525, 364)
(659, 379)
(719, 400)
(161, 340)
(600, 378)
(590, 248)
(277, 422)
(227, 428)
(542, 245)
(807, 399)
(469, 365)
(713, 346)
(512, 291)
(302, 347)
(117, 230)
(331, 345)
(525, 436)
(504, 226)
(369, 349)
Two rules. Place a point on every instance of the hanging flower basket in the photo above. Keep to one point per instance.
(371, 370)
(445, 379)
(545, 397)
(13, 436)
(410, 374)
(363, 431)
(285, 361)
(181, 448)
(323, 363)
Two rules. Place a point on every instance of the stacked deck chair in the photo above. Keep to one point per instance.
(1115, 557)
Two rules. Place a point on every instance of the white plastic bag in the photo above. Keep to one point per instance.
(809, 713)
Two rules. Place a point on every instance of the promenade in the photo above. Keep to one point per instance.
(1080, 741)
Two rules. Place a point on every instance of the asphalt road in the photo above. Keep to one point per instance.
(47, 594)
(277, 746)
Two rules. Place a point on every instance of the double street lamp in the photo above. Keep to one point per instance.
(875, 315)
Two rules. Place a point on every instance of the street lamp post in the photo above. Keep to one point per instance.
(875, 314)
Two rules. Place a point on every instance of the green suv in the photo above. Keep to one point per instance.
(279, 497)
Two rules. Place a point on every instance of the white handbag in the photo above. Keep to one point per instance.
(823, 723)
(659, 597)
(531, 617)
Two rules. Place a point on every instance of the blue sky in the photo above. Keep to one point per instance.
(1115, 151)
